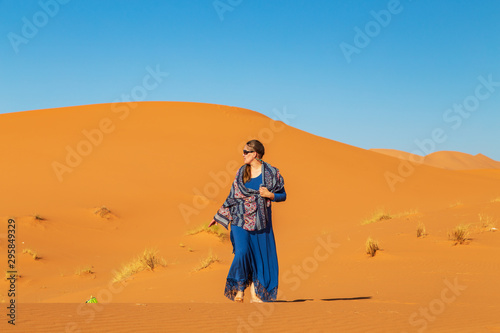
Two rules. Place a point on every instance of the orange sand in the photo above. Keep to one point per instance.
(164, 168)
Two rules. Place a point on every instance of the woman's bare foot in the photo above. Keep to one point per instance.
(239, 297)
(255, 298)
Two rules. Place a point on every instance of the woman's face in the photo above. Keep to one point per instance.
(248, 158)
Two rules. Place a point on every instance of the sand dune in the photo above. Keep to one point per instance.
(451, 160)
(460, 161)
(400, 154)
(163, 169)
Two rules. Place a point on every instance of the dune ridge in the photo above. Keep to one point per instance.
(451, 160)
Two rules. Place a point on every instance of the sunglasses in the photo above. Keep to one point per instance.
(248, 151)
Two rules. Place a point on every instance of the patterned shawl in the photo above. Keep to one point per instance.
(245, 207)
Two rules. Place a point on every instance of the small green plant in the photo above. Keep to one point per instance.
(92, 299)
(148, 260)
(371, 246)
(182, 245)
(379, 215)
(460, 234)
(209, 260)
(216, 230)
(421, 230)
(32, 253)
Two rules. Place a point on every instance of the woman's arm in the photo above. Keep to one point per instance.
(276, 197)
(280, 196)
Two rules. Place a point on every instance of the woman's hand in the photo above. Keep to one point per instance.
(264, 192)
(212, 223)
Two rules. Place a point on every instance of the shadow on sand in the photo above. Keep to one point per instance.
(323, 299)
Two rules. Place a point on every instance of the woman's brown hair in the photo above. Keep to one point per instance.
(258, 147)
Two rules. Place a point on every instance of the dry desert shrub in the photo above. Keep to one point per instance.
(456, 204)
(87, 270)
(151, 260)
(486, 223)
(32, 253)
(421, 232)
(407, 213)
(371, 246)
(216, 230)
(378, 215)
(382, 214)
(38, 217)
(9, 275)
(460, 234)
(103, 212)
(148, 260)
(209, 260)
(497, 199)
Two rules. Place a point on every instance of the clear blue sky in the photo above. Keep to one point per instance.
(392, 86)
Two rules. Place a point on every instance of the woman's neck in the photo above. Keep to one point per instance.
(256, 165)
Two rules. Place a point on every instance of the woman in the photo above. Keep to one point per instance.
(248, 210)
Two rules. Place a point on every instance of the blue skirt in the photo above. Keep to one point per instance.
(255, 260)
